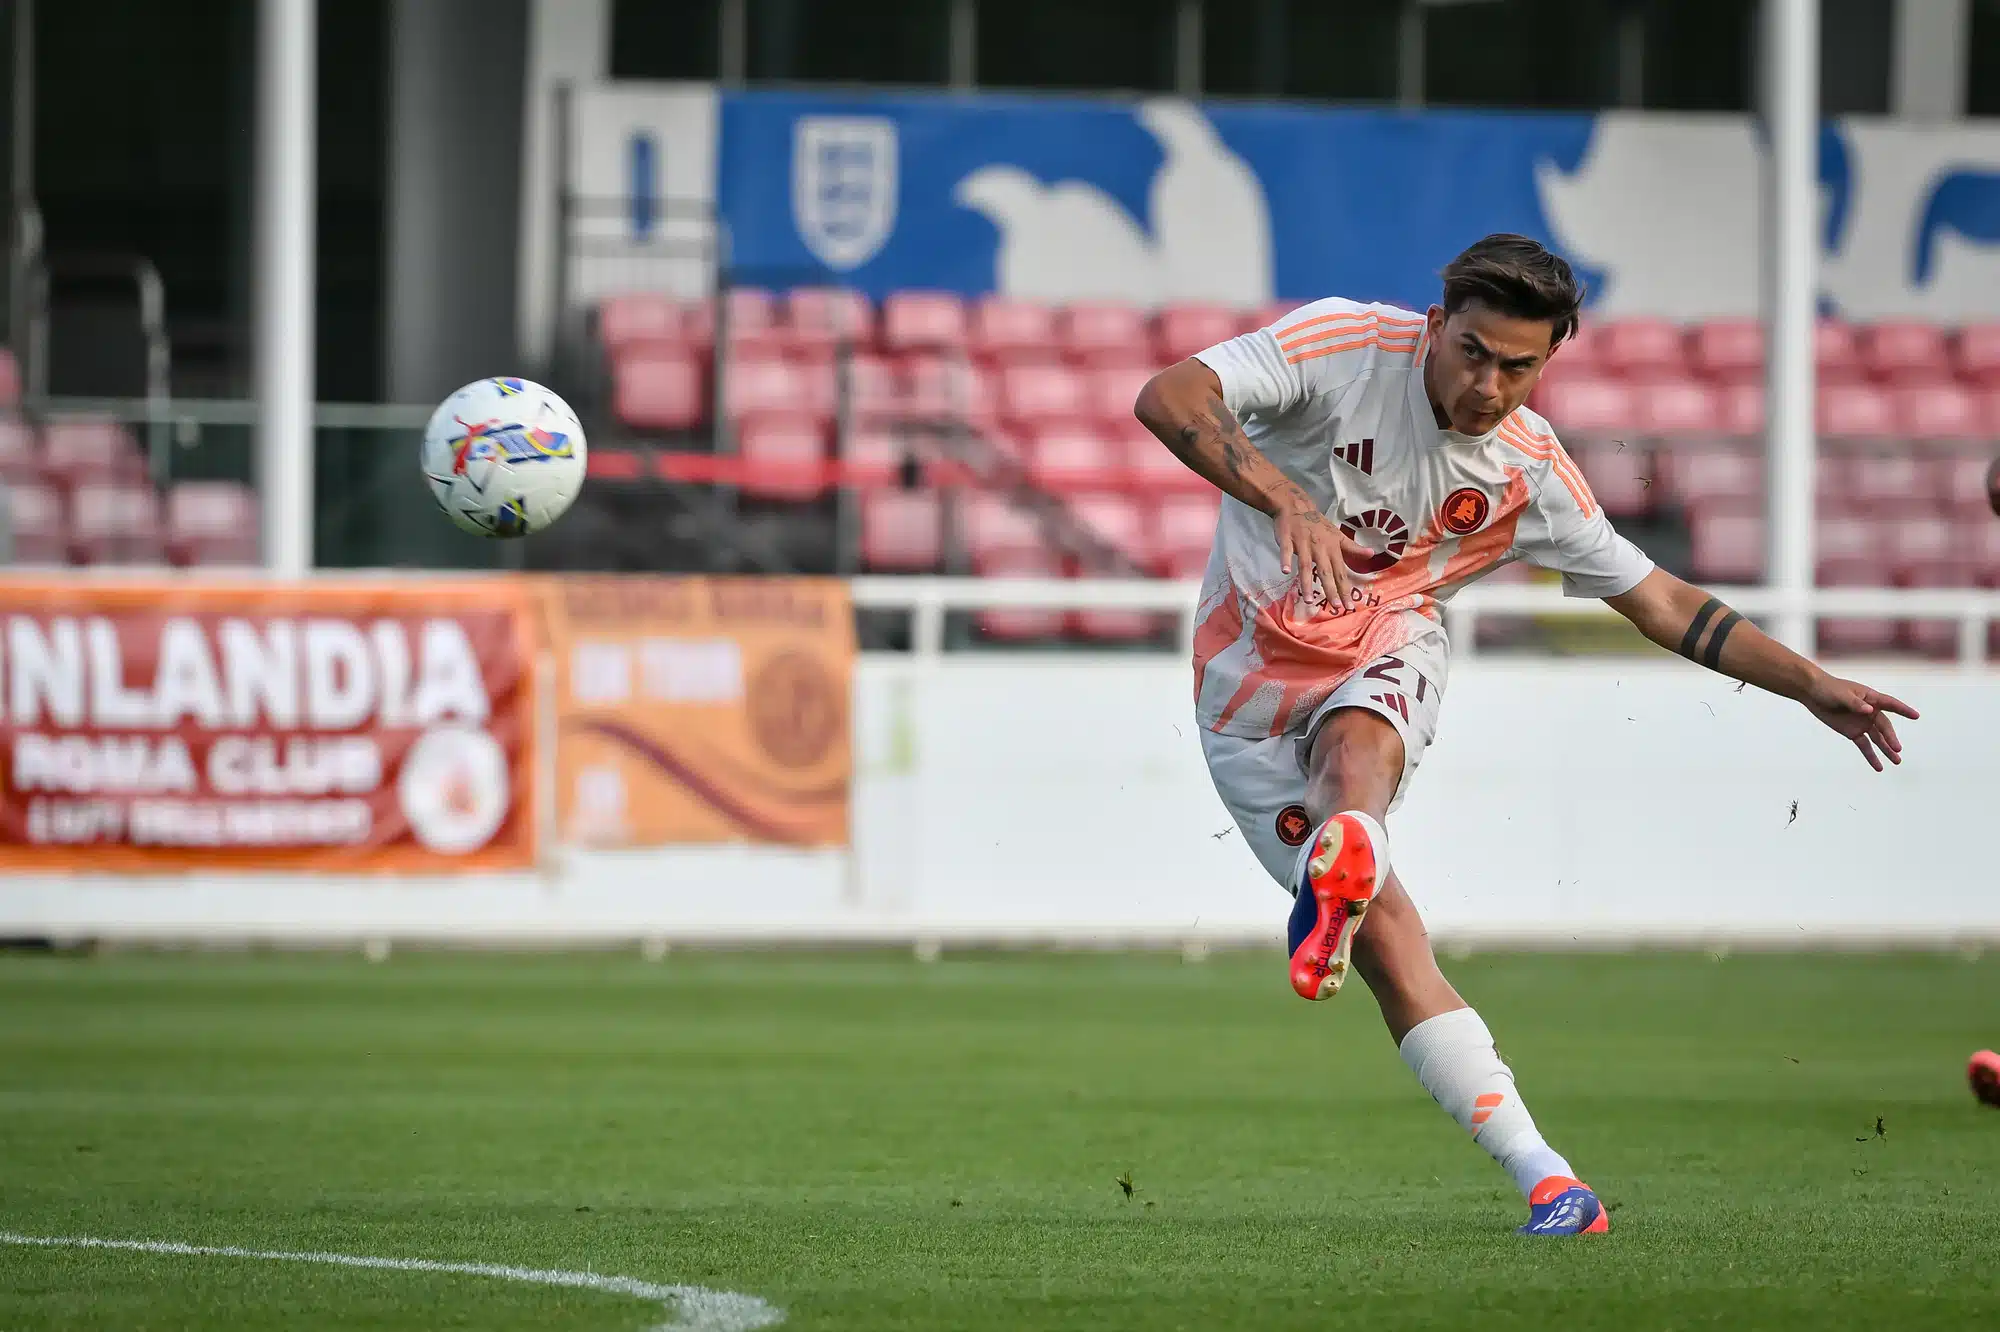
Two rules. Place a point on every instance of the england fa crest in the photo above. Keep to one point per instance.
(844, 187)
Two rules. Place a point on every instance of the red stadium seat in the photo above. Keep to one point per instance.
(872, 456)
(1702, 478)
(1836, 352)
(1925, 554)
(653, 390)
(76, 452)
(1740, 410)
(872, 388)
(19, 461)
(1182, 330)
(829, 316)
(1976, 354)
(1589, 408)
(35, 525)
(1152, 466)
(1670, 408)
(1184, 533)
(10, 379)
(1855, 411)
(991, 526)
(113, 523)
(1113, 390)
(750, 308)
(1034, 395)
(1853, 553)
(1960, 485)
(1902, 351)
(1728, 351)
(923, 320)
(753, 385)
(1580, 353)
(1937, 411)
(1892, 485)
(1119, 526)
(640, 317)
(1834, 495)
(1981, 542)
(1642, 347)
(1105, 333)
(902, 531)
(1067, 458)
(1004, 330)
(782, 457)
(1727, 545)
(1621, 476)
(213, 522)
(948, 388)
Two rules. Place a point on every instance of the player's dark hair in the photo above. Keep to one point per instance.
(1518, 277)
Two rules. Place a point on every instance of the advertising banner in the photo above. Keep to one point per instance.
(702, 710)
(173, 725)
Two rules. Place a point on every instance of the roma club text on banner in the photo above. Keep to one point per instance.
(160, 726)
(700, 710)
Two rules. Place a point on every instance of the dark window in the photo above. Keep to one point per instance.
(1700, 55)
(1982, 62)
(1302, 48)
(1521, 53)
(850, 41)
(665, 39)
(1102, 44)
(1857, 40)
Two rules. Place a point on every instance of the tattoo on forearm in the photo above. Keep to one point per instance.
(1219, 423)
(1691, 642)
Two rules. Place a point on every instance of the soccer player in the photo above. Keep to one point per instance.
(1375, 461)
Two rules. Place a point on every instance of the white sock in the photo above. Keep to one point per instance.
(1452, 1054)
(1377, 834)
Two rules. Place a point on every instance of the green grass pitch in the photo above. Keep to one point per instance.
(870, 1142)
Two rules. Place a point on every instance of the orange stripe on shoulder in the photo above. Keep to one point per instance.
(1347, 322)
(1387, 342)
(1547, 449)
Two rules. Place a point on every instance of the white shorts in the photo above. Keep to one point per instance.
(1262, 782)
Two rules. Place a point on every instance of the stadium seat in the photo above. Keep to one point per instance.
(1071, 458)
(902, 531)
(1960, 485)
(1850, 552)
(829, 317)
(782, 457)
(1036, 395)
(1836, 353)
(78, 452)
(1642, 347)
(1184, 532)
(19, 461)
(1976, 354)
(1621, 476)
(1939, 411)
(655, 390)
(1740, 410)
(213, 522)
(35, 523)
(1117, 524)
(1004, 330)
(948, 388)
(923, 320)
(1113, 390)
(1922, 553)
(1726, 545)
(871, 388)
(1834, 494)
(1892, 485)
(1151, 466)
(748, 309)
(754, 385)
(991, 527)
(1579, 354)
(1672, 408)
(1179, 331)
(1903, 351)
(116, 523)
(1105, 333)
(1727, 351)
(874, 457)
(1981, 541)
(1025, 624)
(639, 317)
(1698, 478)
(1855, 411)
(1583, 408)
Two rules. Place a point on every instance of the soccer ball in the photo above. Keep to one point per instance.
(504, 457)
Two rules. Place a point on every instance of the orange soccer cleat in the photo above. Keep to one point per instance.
(1341, 879)
(1984, 1074)
(1563, 1206)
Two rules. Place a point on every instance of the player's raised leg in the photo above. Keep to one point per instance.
(1356, 764)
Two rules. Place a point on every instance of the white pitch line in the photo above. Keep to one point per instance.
(693, 1308)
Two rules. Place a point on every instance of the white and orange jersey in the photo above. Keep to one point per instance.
(1333, 394)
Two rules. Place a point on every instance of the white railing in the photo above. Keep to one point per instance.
(928, 600)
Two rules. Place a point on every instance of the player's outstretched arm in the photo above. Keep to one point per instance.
(1183, 406)
(1686, 619)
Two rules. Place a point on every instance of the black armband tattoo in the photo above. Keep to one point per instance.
(1711, 656)
(1692, 637)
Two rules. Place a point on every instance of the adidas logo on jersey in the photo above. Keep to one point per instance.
(1359, 455)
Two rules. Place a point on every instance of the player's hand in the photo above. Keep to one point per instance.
(1311, 546)
(1861, 714)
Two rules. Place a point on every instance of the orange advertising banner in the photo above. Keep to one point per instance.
(171, 724)
(702, 710)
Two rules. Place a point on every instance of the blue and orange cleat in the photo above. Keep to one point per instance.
(1984, 1074)
(1341, 880)
(1564, 1206)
